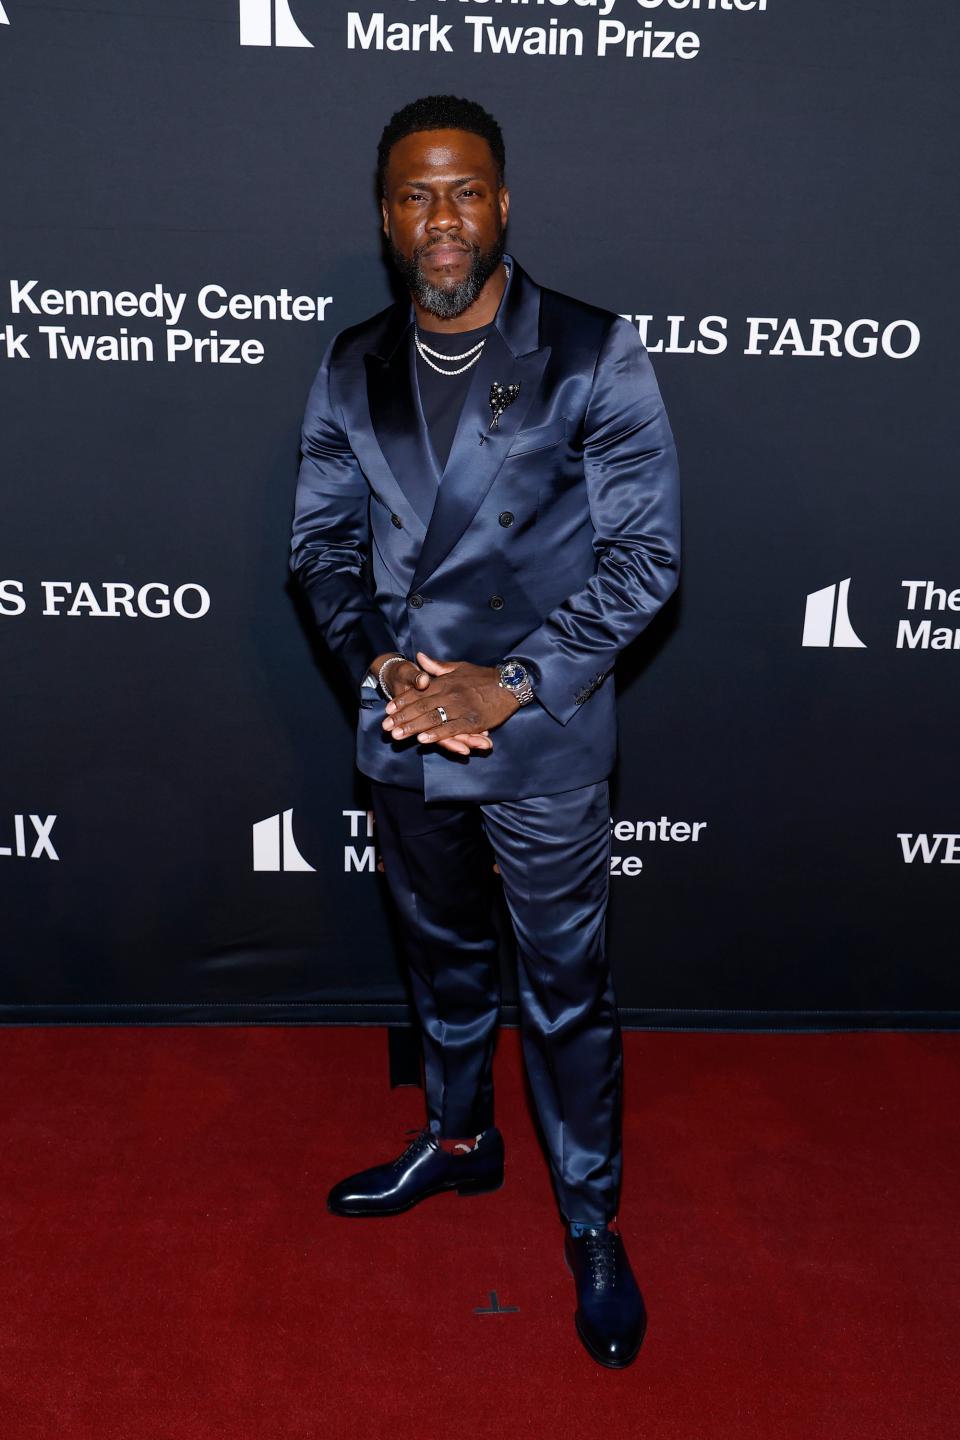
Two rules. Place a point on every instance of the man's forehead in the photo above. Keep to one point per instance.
(458, 152)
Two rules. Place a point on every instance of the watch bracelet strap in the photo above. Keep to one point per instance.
(523, 693)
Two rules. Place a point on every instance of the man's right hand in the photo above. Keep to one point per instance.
(407, 676)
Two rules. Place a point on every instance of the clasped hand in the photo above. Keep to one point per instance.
(472, 697)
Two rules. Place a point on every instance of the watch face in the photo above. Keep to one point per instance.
(513, 673)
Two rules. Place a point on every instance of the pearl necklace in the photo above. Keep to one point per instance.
(425, 352)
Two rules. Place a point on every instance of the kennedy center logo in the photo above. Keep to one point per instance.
(827, 621)
(274, 847)
(269, 22)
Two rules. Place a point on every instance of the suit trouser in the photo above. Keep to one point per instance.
(553, 854)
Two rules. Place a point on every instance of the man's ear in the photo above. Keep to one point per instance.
(383, 216)
(504, 201)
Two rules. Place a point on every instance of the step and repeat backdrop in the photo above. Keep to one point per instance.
(766, 189)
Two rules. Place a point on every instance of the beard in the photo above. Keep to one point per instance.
(448, 301)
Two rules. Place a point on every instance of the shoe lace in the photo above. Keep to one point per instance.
(602, 1257)
(419, 1143)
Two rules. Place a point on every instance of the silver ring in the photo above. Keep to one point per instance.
(443, 714)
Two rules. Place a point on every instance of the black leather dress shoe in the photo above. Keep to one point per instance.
(610, 1317)
(423, 1169)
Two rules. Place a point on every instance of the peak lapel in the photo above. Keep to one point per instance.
(510, 356)
(397, 418)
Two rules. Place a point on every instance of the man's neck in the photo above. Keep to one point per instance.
(481, 312)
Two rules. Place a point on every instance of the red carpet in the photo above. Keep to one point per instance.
(170, 1272)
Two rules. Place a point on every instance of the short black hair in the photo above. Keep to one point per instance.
(440, 112)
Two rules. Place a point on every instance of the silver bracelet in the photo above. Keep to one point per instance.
(393, 660)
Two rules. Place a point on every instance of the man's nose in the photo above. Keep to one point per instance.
(443, 216)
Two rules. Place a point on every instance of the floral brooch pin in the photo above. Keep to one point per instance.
(501, 396)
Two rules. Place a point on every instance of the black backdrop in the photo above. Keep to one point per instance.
(786, 799)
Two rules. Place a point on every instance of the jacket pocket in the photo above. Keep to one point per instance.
(541, 437)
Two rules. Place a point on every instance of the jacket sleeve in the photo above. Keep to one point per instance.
(331, 535)
(630, 470)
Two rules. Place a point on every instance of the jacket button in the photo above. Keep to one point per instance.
(496, 602)
(397, 521)
(416, 601)
(505, 517)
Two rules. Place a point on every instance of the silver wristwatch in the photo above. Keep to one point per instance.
(516, 678)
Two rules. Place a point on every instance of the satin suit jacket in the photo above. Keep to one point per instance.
(554, 537)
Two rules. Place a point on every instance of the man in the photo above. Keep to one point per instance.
(500, 454)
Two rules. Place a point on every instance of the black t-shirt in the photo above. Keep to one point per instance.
(442, 396)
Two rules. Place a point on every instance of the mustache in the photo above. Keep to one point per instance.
(448, 244)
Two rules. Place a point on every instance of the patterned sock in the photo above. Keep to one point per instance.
(454, 1145)
(577, 1227)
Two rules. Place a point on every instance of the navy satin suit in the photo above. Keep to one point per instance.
(553, 538)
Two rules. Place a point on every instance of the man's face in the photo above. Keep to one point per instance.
(444, 217)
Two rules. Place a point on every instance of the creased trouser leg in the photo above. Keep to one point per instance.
(553, 852)
(438, 868)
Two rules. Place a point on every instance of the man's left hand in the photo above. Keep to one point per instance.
(471, 695)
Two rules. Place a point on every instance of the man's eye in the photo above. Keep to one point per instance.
(468, 192)
(415, 196)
